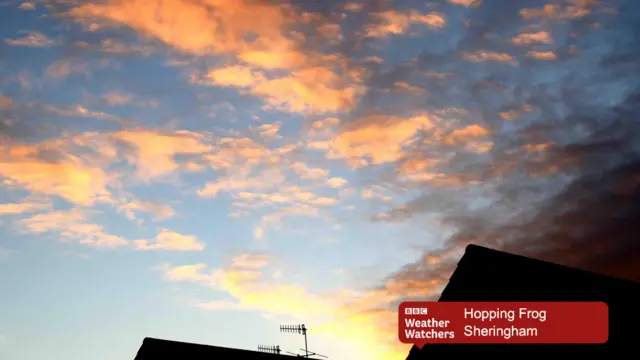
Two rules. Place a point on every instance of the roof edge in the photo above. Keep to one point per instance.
(473, 249)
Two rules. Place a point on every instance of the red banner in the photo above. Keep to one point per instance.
(422, 323)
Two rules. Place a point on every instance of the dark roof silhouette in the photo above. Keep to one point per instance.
(484, 274)
(154, 349)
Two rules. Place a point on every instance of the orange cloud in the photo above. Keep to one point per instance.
(27, 6)
(397, 23)
(154, 153)
(236, 76)
(197, 27)
(241, 153)
(377, 193)
(542, 55)
(353, 6)
(170, 240)
(403, 86)
(313, 88)
(73, 178)
(273, 59)
(268, 131)
(377, 139)
(530, 38)
(471, 137)
(259, 35)
(509, 115)
(72, 225)
(5, 102)
(578, 9)
(420, 170)
(331, 32)
(336, 182)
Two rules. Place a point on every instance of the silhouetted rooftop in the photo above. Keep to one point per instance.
(489, 275)
(165, 349)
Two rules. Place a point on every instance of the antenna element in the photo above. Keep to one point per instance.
(269, 349)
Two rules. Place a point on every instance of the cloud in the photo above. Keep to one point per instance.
(248, 261)
(286, 195)
(170, 240)
(236, 76)
(61, 69)
(273, 60)
(72, 178)
(397, 23)
(560, 186)
(542, 55)
(154, 153)
(466, 2)
(353, 6)
(330, 317)
(160, 211)
(268, 131)
(258, 233)
(268, 179)
(313, 88)
(313, 83)
(406, 87)
(31, 39)
(26, 5)
(482, 56)
(81, 111)
(576, 9)
(307, 173)
(115, 98)
(532, 37)
(27, 206)
(72, 225)
(116, 47)
(5, 102)
(197, 28)
(376, 139)
(336, 182)
(274, 220)
(469, 137)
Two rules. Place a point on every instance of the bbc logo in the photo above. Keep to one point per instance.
(416, 311)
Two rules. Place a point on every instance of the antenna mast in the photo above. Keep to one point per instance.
(297, 329)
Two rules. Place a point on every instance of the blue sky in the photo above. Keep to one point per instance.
(204, 171)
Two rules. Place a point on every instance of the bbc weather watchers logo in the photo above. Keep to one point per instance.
(416, 311)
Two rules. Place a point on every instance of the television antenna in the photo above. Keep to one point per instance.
(269, 349)
(297, 329)
(302, 330)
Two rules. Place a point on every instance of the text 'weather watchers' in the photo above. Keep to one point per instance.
(421, 323)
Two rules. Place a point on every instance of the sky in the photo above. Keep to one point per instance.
(206, 170)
